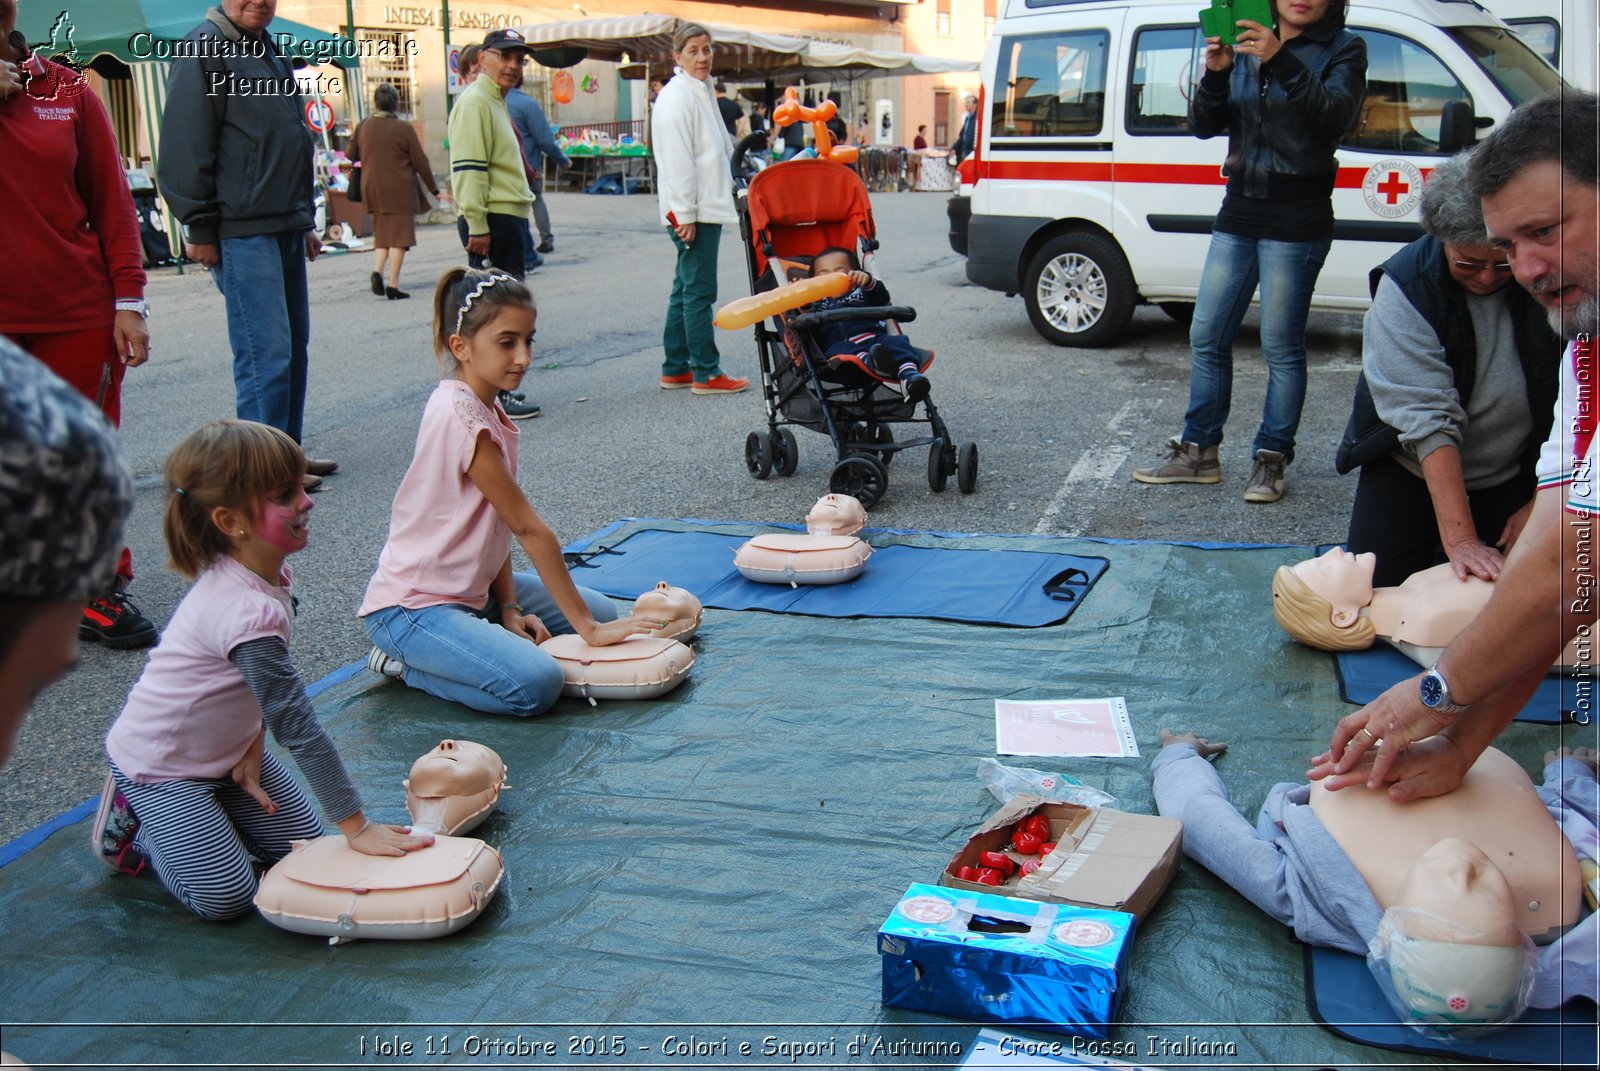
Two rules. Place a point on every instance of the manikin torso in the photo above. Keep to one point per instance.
(1496, 809)
(1419, 617)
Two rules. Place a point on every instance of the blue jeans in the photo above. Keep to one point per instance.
(530, 248)
(1287, 272)
(263, 284)
(466, 656)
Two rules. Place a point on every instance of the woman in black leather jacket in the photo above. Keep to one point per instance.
(1285, 99)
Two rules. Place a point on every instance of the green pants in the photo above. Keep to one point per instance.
(689, 339)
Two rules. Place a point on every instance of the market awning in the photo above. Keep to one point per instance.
(139, 31)
(739, 52)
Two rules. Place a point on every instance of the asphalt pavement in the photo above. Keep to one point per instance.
(1059, 432)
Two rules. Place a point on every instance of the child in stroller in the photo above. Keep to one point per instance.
(889, 354)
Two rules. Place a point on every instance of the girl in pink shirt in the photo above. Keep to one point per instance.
(445, 610)
(193, 790)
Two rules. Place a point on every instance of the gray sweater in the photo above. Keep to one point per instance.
(1414, 390)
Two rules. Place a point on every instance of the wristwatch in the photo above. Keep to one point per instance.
(1435, 693)
(138, 305)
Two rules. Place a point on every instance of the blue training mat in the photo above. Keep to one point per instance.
(1021, 588)
(1365, 675)
(1342, 995)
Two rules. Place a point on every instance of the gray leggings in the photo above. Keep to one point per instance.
(199, 835)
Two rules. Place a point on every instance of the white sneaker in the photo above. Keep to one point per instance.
(380, 662)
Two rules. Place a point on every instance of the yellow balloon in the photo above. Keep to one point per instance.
(757, 307)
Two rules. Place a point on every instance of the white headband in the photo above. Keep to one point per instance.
(477, 292)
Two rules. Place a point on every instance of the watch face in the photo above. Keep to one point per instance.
(1432, 691)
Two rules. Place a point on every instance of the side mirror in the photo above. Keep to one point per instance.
(1457, 126)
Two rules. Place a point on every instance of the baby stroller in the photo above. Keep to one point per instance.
(791, 212)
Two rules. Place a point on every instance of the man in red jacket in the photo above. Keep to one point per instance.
(76, 297)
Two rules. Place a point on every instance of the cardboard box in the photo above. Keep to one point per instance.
(1103, 858)
(978, 956)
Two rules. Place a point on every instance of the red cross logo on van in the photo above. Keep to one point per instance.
(1392, 187)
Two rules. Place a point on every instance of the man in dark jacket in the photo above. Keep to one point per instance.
(967, 140)
(236, 170)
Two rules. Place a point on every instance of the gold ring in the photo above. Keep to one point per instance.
(1364, 729)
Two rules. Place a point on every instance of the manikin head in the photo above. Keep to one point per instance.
(1448, 953)
(836, 515)
(1319, 601)
(453, 787)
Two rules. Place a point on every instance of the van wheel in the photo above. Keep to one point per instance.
(1079, 290)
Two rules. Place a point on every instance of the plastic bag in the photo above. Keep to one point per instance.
(1004, 782)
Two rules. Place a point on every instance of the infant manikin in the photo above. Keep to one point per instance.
(454, 787)
(829, 553)
(1328, 602)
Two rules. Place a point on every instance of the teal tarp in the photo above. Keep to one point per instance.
(716, 863)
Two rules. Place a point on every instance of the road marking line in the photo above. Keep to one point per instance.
(1098, 465)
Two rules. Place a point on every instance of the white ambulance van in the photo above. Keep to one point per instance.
(1088, 195)
(1565, 32)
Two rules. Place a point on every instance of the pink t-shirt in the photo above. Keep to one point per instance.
(191, 715)
(446, 542)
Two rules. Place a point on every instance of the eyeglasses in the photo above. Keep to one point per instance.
(516, 55)
(1475, 267)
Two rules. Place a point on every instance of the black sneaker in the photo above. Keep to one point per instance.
(915, 385)
(114, 621)
(517, 407)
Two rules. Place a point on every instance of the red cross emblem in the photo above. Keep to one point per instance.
(1392, 188)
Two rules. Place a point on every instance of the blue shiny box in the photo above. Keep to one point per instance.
(980, 956)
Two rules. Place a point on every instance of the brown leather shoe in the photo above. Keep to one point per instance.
(321, 466)
(312, 484)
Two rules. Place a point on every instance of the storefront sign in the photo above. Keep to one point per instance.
(400, 15)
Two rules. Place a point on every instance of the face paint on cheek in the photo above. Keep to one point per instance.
(286, 526)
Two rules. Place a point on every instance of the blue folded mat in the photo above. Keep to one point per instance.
(1021, 588)
(1365, 675)
(1343, 996)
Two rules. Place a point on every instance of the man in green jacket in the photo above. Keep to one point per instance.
(487, 174)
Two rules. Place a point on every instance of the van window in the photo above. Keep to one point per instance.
(1166, 63)
(1407, 89)
(1542, 35)
(1511, 64)
(1049, 86)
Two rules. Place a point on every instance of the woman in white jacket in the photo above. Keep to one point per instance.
(694, 185)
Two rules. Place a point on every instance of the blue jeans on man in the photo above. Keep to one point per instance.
(1287, 273)
(466, 656)
(263, 284)
(531, 260)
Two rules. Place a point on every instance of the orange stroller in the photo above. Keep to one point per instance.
(791, 212)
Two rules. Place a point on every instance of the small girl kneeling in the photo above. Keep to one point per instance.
(445, 610)
(193, 790)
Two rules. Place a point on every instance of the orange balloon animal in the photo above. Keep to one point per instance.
(756, 307)
(791, 111)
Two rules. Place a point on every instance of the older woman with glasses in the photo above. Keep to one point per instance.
(1457, 393)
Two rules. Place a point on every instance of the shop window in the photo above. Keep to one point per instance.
(1407, 89)
(1167, 63)
(1050, 86)
(386, 57)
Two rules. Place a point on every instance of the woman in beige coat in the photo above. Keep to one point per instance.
(391, 161)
